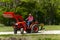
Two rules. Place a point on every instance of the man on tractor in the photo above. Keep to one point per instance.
(20, 24)
(29, 19)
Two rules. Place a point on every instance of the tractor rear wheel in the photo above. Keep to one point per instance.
(35, 29)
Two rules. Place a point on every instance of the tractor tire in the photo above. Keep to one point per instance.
(35, 29)
(22, 31)
(15, 31)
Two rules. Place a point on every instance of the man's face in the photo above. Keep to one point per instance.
(29, 14)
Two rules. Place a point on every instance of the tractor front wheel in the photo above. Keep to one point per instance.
(22, 30)
(15, 31)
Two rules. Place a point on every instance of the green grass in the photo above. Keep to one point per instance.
(52, 27)
(6, 29)
(32, 37)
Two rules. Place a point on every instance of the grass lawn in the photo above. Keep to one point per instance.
(47, 27)
(5, 28)
(52, 27)
(31, 37)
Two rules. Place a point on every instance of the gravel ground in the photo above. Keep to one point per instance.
(40, 32)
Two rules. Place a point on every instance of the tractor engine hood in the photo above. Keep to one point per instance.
(8, 14)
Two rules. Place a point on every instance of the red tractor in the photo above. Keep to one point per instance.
(20, 24)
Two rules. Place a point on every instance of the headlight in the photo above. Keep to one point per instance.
(16, 24)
